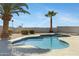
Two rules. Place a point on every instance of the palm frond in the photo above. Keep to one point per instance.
(16, 13)
(18, 8)
(22, 4)
(24, 11)
(10, 8)
(1, 9)
(51, 13)
(46, 15)
(54, 14)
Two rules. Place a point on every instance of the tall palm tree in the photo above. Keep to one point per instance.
(50, 14)
(6, 12)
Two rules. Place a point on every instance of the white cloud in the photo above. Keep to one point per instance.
(67, 17)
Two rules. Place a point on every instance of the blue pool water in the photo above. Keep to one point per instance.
(44, 42)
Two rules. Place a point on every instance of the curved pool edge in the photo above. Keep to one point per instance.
(37, 35)
(33, 35)
(26, 36)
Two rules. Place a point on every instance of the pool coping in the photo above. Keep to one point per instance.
(29, 36)
(32, 35)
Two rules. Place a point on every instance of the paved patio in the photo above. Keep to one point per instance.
(72, 50)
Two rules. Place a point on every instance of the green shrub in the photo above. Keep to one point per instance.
(24, 32)
(31, 31)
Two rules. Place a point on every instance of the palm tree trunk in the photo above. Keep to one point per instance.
(51, 30)
(5, 34)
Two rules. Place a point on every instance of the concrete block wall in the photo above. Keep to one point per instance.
(68, 29)
(61, 29)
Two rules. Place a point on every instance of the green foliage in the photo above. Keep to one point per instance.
(13, 8)
(24, 32)
(31, 31)
(50, 13)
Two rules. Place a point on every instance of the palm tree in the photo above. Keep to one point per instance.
(7, 10)
(50, 14)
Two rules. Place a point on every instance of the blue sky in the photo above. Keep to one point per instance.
(68, 15)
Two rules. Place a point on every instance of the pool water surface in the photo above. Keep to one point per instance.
(44, 42)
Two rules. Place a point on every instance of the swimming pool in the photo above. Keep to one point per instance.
(44, 42)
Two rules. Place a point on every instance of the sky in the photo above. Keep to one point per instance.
(67, 15)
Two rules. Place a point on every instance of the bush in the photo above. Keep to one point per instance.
(18, 31)
(24, 32)
(10, 31)
(31, 32)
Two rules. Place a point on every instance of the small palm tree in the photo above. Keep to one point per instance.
(50, 14)
(6, 12)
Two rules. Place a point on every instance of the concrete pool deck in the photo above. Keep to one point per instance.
(29, 50)
(72, 50)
